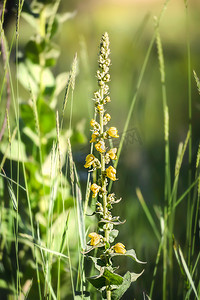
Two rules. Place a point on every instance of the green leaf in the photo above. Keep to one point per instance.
(32, 135)
(105, 278)
(34, 48)
(99, 263)
(27, 116)
(16, 152)
(39, 50)
(51, 54)
(97, 282)
(6, 285)
(65, 16)
(113, 235)
(32, 75)
(30, 19)
(112, 278)
(28, 75)
(127, 279)
(48, 82)
(47, 119)
(54, 27)
(130, 253)
(46, 115)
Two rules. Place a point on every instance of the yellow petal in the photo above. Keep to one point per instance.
(119, 248)
(92, 122)
(95, 189)
(111, 173)
(94, 136)
(112, 153)
(90, 158)
(113, 132)
(100, 146)
(95, 238)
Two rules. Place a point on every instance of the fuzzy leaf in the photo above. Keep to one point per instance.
(97, 282)
(32, 135)
(90, 248)
(127, 279)
(30, 19)
(51, 55)
(113, 235)
(105, 278)
(130, 253)
(112, 278)
(46, 117)
(28, 75)
(33, 49)
(17, 151)
(99, 263)
(63, 17)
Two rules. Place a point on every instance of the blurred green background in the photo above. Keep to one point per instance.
(130, 26)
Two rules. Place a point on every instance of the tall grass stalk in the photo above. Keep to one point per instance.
(190, 206)
(167, 185)
(18, 285)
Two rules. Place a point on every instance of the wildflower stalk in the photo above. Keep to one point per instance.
(107, 281)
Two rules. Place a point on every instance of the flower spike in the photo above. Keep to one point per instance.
(102, 159)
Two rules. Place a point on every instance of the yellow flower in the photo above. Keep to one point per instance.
(119, 248)
(94, 136)
(100, 146)
(90, 159)
(113, 132)
(111, 173)
(92, 123)
(95, 238)
(100, 107)
(95, 189)
(108, 117)
(112, 153)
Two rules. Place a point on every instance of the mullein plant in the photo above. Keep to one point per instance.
(112, 285)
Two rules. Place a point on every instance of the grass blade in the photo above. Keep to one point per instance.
(148, 214)
(187, 272)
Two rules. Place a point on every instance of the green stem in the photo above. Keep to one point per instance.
(103, 180)
(108, 294)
